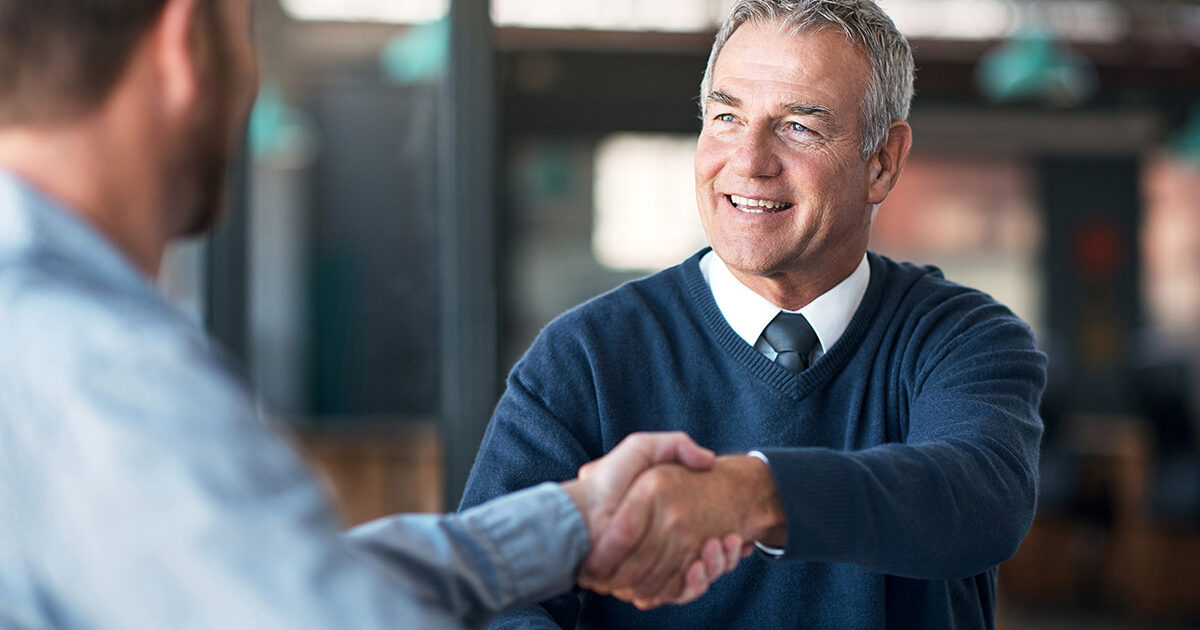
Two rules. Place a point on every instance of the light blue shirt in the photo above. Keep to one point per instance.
(140, 489)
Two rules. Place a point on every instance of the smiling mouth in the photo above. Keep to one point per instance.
(757, 206)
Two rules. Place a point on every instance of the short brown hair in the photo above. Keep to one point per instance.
(61, 58)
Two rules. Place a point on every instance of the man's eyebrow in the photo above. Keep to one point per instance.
(797, 109)
(722, 98)
(808, 109)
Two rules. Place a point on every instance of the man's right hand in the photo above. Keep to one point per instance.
(669, 512)
(599, 490)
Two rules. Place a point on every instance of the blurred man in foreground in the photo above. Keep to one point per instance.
(881, 421)
(137, 487)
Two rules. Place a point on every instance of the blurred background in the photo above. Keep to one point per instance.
(426, 183)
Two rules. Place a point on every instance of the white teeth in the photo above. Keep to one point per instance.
(755, 205)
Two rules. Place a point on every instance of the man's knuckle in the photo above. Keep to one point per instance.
(675, 516)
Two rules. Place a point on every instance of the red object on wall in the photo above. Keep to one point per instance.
(1098, 250)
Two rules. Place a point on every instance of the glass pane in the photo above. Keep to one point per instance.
(395, 11)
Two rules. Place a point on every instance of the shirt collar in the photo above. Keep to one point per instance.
(748, 313)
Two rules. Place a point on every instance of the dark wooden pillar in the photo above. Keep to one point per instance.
(467, 233)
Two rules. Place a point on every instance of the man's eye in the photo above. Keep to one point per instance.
(725, 117)
(798, 128)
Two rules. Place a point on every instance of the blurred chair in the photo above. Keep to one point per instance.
(1163, 392)
(1059, 491)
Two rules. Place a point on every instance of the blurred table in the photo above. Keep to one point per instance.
(379, 468)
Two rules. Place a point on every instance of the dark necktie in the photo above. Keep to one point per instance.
(791, 336)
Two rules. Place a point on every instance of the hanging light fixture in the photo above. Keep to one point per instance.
(1186, 143)
(1033, 66)
(417, 54)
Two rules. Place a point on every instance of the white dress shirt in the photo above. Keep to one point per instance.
(748, 313)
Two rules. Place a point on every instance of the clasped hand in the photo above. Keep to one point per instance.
(665, 518)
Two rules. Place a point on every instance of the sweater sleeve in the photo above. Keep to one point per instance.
(955, 496)
(542, 430)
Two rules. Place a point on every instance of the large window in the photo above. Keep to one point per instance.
(1171, 249)
(645, 204)
(976, 218)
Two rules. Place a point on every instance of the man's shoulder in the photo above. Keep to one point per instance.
(50, 314)
(97, 359)
(924, 307)
(630, 302)
(920, 287)
(601, 330)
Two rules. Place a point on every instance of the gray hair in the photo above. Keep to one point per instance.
(890, 85)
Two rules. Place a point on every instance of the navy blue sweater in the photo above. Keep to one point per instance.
(906, 456)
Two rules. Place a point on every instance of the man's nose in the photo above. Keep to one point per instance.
(755, 155)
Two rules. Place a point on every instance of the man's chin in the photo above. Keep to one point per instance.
(750, 259)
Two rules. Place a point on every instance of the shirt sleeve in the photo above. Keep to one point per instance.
(958, 493)
(512, 551)
(527, 443)
(161, 501)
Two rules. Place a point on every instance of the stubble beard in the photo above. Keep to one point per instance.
(203, 157)
(203, 179)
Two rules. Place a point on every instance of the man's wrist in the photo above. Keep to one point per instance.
(771, 551)
(585, 501)
(764, 521)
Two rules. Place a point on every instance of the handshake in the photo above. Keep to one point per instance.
(666, 517)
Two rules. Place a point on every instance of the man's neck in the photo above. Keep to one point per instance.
(793, 290)
(95, 171)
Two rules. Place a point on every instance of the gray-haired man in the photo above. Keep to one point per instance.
(883, 420)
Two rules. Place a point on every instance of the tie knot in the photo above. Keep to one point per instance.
(792, 338)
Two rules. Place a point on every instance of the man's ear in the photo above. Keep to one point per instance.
(175, 54)
(887, 162)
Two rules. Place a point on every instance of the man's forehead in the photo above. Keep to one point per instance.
(798, 66)
(780, 42)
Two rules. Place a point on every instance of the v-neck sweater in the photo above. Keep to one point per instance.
(905, 457)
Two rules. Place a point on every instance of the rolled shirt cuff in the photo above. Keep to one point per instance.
(538, 535)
